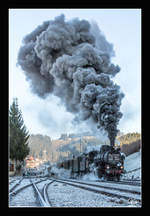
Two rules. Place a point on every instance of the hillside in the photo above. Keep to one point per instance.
(130, 143)
(133, 162)
(68, 145)
(64, 147)
(128, 138)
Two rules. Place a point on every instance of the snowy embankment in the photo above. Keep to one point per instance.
(133, 162)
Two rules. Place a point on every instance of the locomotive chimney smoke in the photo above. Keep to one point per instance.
(72, 60)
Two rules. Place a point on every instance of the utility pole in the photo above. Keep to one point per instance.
(52, 156)
(80, 144)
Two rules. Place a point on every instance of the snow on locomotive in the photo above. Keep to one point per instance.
(108, 163)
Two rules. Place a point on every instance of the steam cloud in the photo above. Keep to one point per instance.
(72, 60)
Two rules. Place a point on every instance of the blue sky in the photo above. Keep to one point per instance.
(122, 27)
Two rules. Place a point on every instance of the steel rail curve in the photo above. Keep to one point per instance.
(127, 197)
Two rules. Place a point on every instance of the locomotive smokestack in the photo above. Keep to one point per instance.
(112, 142)
(72, 60)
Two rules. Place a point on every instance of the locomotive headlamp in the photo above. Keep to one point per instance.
(121, 167)
(107, 166)
(118, 164)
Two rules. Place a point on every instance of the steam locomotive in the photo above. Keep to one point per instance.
(107, 163)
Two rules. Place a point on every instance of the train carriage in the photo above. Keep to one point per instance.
(70, 164)
(66, 164)
(75, 167)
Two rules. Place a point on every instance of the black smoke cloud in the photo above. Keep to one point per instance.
(72, 60)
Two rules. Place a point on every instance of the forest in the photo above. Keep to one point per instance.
(68, 145)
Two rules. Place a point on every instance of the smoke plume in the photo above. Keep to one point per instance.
(72, 60)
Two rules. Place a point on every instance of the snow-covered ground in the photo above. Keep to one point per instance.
(24, 198)
(63, 195)
(110, 184)
(132, 162)
(23, 183)
(61, 173)
(13, 181)
(41, 184)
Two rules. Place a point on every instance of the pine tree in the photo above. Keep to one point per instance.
(18, 134)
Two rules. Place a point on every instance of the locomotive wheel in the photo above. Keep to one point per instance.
(118, 177)
(106, 177)
(99, 173)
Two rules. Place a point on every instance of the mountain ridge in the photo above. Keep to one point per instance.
(72, 144)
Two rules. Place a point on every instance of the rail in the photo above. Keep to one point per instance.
(105, 192)
(40, 198)
(45, 192)
(106, 187)
(18, 183)
(13, 193)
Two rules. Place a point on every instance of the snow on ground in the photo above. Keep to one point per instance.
(13, 181)
(90, 177)
(136, 175)
(63, 195)
(23, 183)
(14, 177)
(41, 184)
(132, 162)
(114, 191)
(109, 184)
(24, 198)
(61, 173)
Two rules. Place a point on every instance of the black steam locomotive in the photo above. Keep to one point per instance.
(107, 163)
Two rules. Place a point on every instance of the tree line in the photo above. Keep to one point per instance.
(129, 138)
(18, 134)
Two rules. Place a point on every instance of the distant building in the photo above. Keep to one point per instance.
(31, 162)
(12, 167)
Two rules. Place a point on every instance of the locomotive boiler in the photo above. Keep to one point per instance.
(110, 163)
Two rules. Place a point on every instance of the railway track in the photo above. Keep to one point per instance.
(130, 182)
(45, 193)
(16, 185)
(42, 198)
(13, 192)
(124, 182)
(38, 195)
(108, 187)
(108, 191)
(12, 181)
